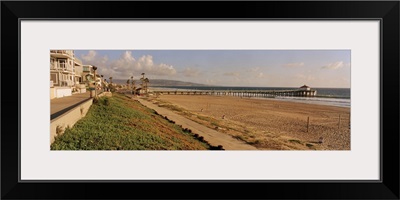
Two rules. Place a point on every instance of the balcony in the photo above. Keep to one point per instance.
(62, 67)
(67, 83)
(62, 53)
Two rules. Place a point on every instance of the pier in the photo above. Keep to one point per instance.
(241, 93)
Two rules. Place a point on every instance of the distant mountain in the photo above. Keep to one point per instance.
(162, 82)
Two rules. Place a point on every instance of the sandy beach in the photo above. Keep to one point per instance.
(267, 123)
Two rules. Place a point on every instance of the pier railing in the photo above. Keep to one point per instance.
(241, 93)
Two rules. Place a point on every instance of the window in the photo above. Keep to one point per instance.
(85, 68)
(53, 77)
(62, 63)
(52, 63)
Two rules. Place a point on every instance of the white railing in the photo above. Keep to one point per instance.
(62, 67)
(66, 83)
(64, 52)
(65, 67)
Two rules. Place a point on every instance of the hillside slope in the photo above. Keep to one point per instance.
(118, 123)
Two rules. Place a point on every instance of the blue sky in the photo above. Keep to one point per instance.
(257, 68)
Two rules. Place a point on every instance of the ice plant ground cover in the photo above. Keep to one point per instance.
(119, 123)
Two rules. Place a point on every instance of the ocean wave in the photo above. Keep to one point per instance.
(317, 100)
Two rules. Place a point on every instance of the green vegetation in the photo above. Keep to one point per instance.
(118, 123)
(295, 141)
(171, 107)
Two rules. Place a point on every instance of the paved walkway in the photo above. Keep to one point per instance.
(213, 137)
(60, 106)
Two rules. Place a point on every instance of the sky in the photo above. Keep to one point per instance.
(252, 68)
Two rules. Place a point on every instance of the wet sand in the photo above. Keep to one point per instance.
(267, 123)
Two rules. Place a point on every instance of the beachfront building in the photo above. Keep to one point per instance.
(87, 74)
(305, 88)
(140, 91)
(80, 87)
(98, 80)
(62, 73)
(306, 91)
(78, 71)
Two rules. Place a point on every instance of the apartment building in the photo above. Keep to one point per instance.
(78, 71)
(62, 73)
(62, 68)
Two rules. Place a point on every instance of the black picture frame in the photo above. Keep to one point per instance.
(386, 11)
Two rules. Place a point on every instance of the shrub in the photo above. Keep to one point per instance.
(123, 125)
(106, 101)
(295, 141)
(95, 100)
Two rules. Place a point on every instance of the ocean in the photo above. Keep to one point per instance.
(325, 96)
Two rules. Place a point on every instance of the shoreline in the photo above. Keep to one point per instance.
(317, 100)
(267, 123)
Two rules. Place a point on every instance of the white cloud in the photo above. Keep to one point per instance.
(127, 55)
(260, 75)
(304, 77)
(254, 72)
(127, 65)
(190, 72)
(90, 56)
(255, 69)
(298, 64)
(333, 66)
(104, 59)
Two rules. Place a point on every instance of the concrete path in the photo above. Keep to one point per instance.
(213, 137)
(59, 106)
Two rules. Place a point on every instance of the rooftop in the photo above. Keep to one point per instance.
(304, 86)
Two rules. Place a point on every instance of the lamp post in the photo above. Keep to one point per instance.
(132, 85)
(95, 79)
(105, 85)
(102, 83)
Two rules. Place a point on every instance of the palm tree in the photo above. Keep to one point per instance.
(110, 85)
(133, 87)
(142, 80)
(146, 81)
(127, 84)
(132, 84)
